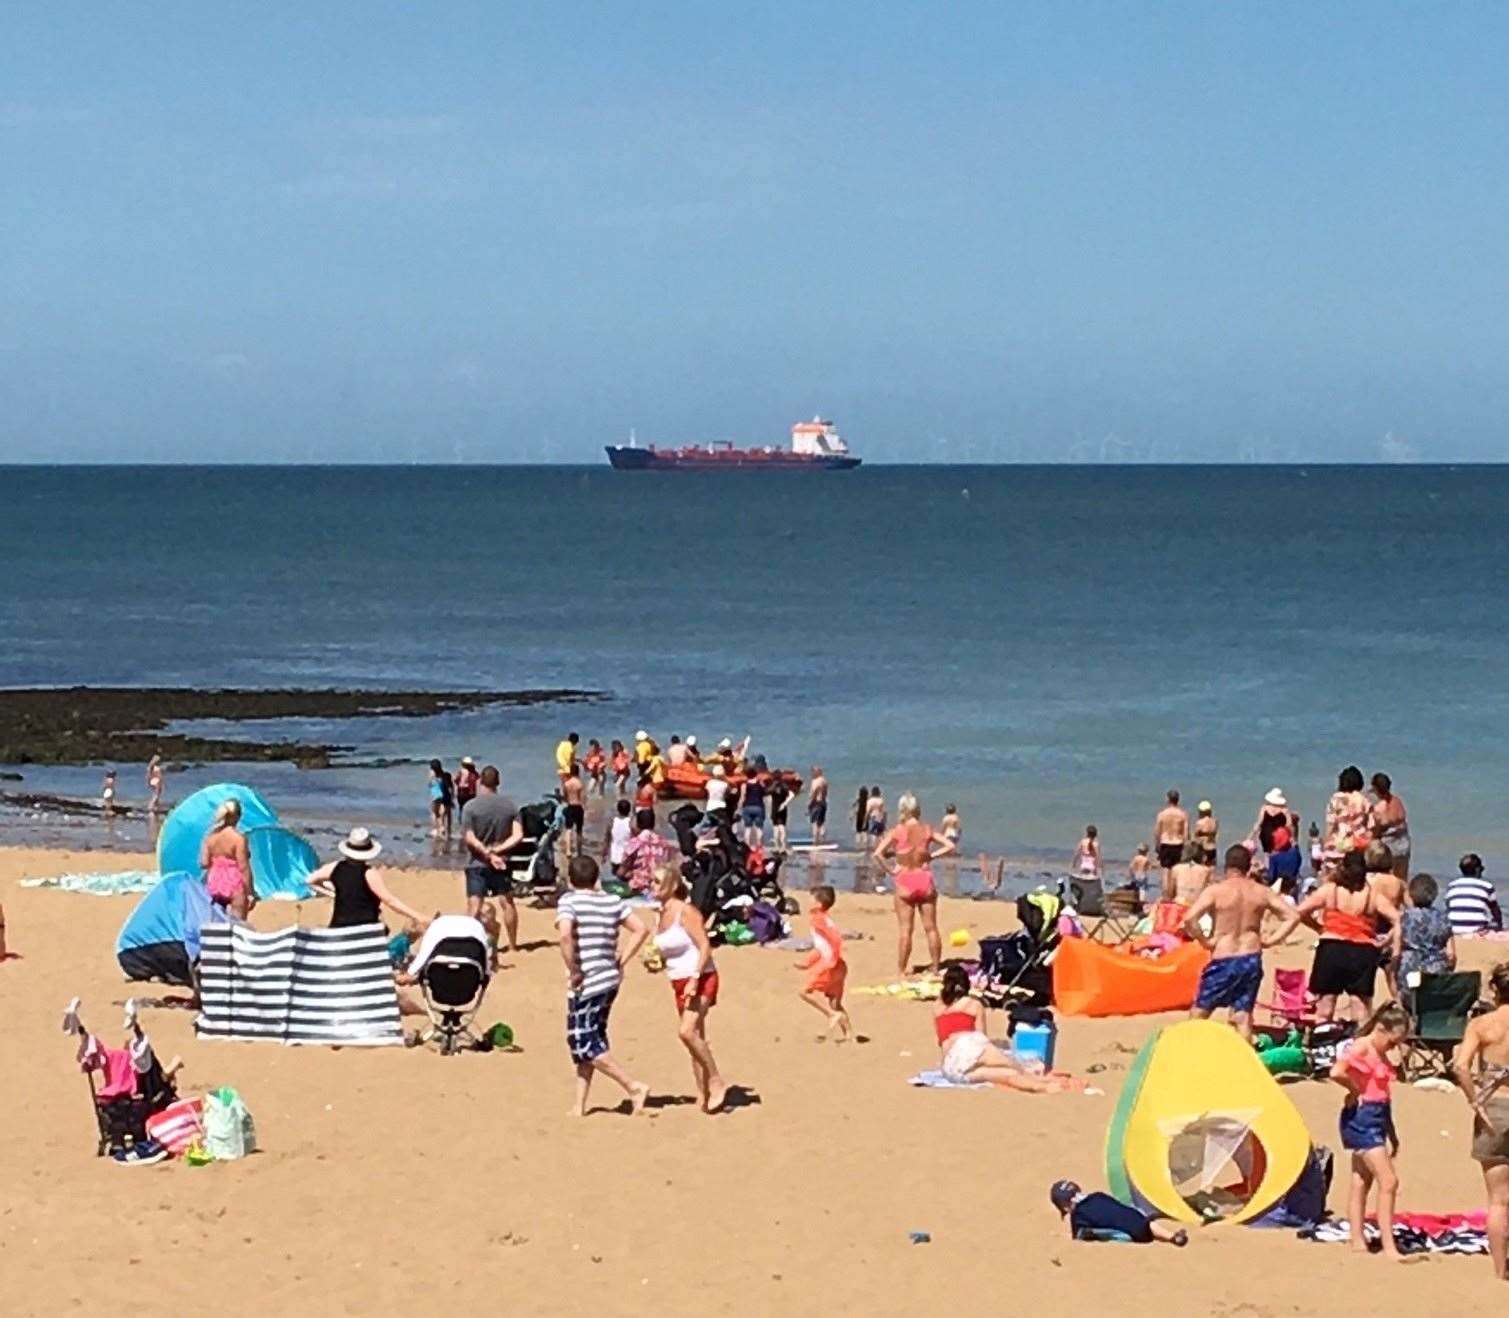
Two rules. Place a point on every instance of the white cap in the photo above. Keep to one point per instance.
(691, 740)
(726, 744)
(641, 735)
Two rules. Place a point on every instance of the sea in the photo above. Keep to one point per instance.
(1042, 646)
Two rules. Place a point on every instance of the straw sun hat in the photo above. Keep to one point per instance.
(360, 845)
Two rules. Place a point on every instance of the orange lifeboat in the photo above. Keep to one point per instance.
(688, 782)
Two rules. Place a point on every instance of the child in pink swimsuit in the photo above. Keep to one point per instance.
(1367, 1123)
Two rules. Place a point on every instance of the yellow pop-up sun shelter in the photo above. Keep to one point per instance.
(1202, 1133)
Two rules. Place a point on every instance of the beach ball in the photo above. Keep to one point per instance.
(959, 937)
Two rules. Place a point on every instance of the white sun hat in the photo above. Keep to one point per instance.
(727, 744)
(641, 735)
(360, 845)
(1276, 797)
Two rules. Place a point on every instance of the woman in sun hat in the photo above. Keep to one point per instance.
(1273, 815)
(359, 890)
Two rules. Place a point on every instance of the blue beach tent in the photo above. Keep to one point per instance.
(160, 939)
(281, 862)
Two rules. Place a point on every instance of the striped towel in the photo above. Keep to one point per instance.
(319, 986)
(178, 1125)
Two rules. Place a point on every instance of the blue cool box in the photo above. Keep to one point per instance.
(1035, 1043)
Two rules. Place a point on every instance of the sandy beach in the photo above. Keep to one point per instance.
(388, 1176)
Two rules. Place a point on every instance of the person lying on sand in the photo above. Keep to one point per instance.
(968, 1056)
(1090, 1213)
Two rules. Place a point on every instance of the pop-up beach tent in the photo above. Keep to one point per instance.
(160, 939)
(281, 859)
(1202, 1133)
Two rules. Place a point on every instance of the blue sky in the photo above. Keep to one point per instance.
(498, 232)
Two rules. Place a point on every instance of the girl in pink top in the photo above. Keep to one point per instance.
(1367, 1123)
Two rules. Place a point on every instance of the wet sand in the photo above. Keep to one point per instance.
(394, 1179)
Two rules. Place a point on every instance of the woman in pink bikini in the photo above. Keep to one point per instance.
(912, 843)
(226, 861)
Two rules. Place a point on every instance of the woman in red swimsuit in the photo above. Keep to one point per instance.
(967, 1054)
(1352, 917)
(912, 843)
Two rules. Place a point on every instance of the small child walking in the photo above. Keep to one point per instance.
(1097, 1216)
(824, 989)
(1367, 1123)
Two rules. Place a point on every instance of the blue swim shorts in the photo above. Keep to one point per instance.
(1231, 981)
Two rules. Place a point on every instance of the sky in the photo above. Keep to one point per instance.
(491, 232)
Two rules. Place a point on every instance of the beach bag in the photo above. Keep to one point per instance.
(228, 1129)
(765, 923)
(178, 1125)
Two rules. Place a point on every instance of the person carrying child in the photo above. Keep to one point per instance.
(824, 989)
(1094, 1215)
(1367, 1123)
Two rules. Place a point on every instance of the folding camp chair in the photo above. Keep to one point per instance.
(1440, 1007)
(1119, 911)
(1293, 1007)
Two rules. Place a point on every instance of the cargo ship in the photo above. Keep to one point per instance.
(815, 446)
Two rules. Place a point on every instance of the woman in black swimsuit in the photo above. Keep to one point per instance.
(358, 888)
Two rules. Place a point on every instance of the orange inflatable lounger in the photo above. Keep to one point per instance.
(1091, 980)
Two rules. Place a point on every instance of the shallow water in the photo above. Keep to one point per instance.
(1044, 646)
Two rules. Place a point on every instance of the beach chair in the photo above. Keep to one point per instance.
(1293, 1007)
(1121, 910)
(1440, 1007)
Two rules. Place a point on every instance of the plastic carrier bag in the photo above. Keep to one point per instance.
(228, 1129)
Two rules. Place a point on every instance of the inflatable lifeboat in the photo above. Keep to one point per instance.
(688, 782)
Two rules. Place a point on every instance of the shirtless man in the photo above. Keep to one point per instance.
(1169, 832)
(1236, 906)
(1207, 829)
(1481, 1066)
(574, 816)
(1386, 884)
(1190, 877)
(817, 805)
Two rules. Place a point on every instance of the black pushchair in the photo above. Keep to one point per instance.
(532, 864)
(1017, 967)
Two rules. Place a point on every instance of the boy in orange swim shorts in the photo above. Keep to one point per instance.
(824, 989)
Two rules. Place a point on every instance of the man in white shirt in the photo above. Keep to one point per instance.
(717, 791)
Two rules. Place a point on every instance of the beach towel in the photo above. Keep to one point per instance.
(937, 1080)
(1415, 1233)
(920, 990)
(99, 885)
(309, 986)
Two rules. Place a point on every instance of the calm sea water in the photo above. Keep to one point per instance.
(1044, 646)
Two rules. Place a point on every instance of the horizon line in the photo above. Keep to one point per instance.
(868, 463)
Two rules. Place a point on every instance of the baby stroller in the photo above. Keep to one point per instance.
(531, 864)
(453, 978)
(1017, 967)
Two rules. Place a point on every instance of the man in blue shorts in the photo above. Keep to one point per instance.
(1235, 908)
